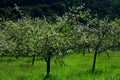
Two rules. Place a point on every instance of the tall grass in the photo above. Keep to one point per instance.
(77, 68)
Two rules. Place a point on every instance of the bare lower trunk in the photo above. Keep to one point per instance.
(94, 62)
(88, 49)
(16, 56)
(33, 59)
(107, 54)
(84, 52)
(95, 54)
(48, 66)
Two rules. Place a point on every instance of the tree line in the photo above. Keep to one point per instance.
(50, 8)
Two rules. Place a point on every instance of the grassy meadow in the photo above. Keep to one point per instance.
(76, 67)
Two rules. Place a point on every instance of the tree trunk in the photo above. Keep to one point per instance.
(108, 54)
(95, 54)
(16, 56)
(84, 52)
(88, 49)
(33, 59)
(48, 66)
(94, 61)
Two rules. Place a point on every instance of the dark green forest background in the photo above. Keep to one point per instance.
(50, 8)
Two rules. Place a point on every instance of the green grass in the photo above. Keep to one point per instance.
(77, 68)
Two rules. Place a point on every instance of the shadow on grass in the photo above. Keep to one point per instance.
(46, 77)
(7, 59)
(96, 72)
(26, 66)
(114, 67)
(49, 77)
(21, 77)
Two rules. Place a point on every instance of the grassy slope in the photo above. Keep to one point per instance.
(78, 68)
